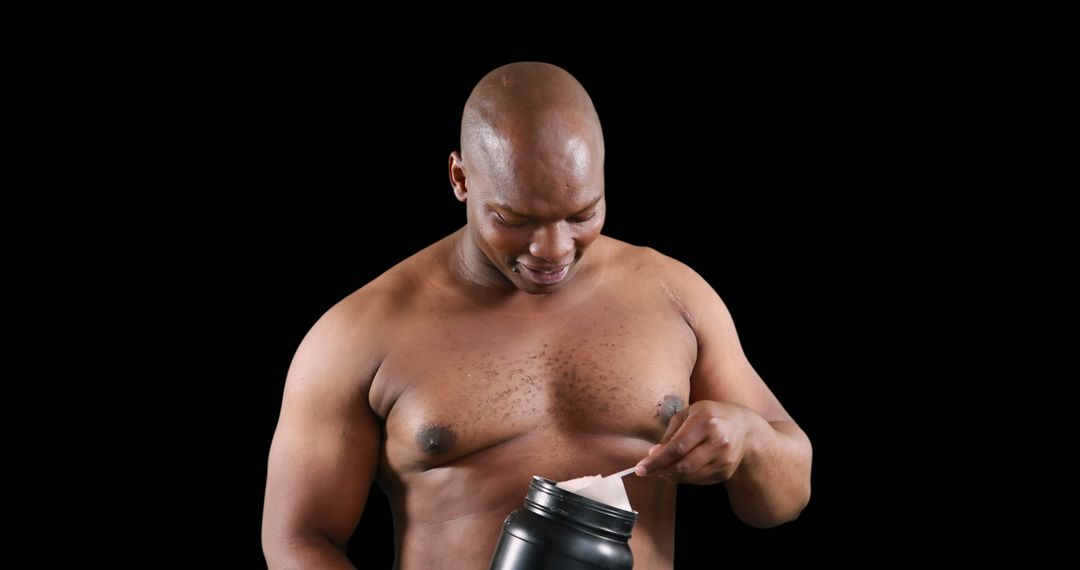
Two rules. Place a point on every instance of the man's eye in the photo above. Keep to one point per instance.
(583, 219)
(506, 222)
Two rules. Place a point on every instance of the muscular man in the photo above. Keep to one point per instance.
(525, 343)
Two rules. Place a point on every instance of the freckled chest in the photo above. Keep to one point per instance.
(466, 380)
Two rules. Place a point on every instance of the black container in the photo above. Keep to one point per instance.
(559, 530)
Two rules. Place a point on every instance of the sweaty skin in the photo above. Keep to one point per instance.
(525, 343)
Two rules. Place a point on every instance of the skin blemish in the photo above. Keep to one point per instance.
(668, 408)
(435, 439)
(678, 304)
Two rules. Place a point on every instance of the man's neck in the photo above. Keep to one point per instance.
(476, 274)
(474, 269)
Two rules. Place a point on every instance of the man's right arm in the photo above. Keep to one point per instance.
(326, 447)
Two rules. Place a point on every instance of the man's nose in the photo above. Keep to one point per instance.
(552, 243)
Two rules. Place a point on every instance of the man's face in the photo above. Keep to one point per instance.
(533, 218)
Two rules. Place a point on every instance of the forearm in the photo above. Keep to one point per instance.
(772, 484)
(307, 553)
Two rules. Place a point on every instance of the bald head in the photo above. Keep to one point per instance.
(531, 109)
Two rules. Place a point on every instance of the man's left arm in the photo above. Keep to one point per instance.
(735, 431)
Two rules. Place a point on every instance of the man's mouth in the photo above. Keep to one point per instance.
(544, 275)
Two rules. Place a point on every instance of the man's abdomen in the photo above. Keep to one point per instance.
(453, 513)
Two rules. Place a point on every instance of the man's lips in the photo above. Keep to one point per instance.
(540, 269)
(542, 275)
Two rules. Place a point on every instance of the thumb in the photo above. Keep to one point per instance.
(674, 425)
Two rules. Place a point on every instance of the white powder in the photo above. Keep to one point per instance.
(609, 491)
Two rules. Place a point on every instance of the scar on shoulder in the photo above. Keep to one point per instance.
(435, 438)
(666, 409)
(678, 304)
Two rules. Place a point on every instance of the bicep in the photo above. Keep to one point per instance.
(722, 371)
(325, 450)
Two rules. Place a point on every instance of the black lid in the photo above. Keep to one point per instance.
(544, 494)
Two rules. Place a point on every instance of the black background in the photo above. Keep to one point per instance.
(779, 171)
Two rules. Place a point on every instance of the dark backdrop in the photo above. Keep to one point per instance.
(312, 169)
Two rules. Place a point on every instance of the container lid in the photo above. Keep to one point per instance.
(544, 494)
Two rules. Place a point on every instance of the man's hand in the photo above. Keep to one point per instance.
(705, 443)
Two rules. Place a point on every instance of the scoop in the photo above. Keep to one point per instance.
(622, 473)
(608, 490)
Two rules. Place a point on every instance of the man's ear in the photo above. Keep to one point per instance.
(457, 176)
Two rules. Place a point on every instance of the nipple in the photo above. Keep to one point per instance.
(435, 439)
(668, 408)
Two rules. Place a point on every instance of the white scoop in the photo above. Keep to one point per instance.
(608, 490)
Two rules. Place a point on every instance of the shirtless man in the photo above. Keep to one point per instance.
(523, 344)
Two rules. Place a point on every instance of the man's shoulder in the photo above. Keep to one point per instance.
(389, 295)
(635, 258)
(644, 269)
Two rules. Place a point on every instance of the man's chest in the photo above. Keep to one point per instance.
(463, 382)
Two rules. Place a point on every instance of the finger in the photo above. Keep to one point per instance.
(674, 424)
(689, 465)
(684, 440)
